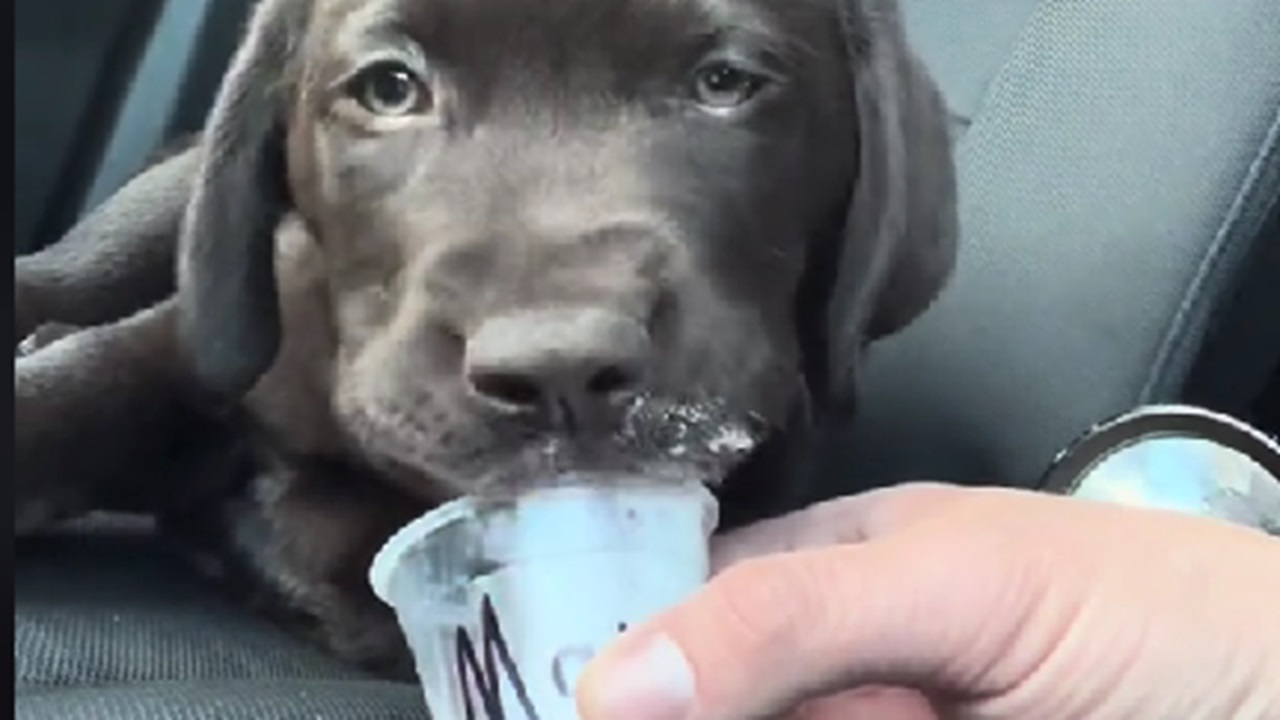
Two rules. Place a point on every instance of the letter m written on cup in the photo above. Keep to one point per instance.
(485, 671)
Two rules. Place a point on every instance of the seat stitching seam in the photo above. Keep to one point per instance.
(1194, 297)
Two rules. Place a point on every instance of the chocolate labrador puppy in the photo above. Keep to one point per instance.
(434, 247)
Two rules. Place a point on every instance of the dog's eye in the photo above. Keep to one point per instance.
(723, 86)
(390, 88)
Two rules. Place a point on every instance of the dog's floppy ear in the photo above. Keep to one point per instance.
(899, 244)
(229, 319)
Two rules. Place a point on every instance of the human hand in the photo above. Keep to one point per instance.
(925, 601)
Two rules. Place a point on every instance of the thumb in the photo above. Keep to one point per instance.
(772, 632)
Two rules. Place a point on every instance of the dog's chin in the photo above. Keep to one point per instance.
(655, 440)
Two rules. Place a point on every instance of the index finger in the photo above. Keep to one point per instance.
(852, 519)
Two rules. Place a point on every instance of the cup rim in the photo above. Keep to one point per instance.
(1072, 465)
(385, 561)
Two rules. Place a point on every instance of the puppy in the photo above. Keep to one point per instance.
(433, 247)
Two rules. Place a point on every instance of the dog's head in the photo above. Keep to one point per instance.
(586, 232)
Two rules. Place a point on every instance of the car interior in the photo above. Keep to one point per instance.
(1119, 168)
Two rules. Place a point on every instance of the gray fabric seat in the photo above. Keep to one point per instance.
(1118, 163)
(83, 51)
(1118, 159)
(110, 625)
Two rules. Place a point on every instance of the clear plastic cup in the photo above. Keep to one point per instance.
(503, 603)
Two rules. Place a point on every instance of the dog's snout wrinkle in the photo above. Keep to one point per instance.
(569, 364)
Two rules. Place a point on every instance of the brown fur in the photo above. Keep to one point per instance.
(378, 312)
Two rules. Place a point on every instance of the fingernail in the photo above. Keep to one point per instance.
(652, 681)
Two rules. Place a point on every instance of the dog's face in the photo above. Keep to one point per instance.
(534, 215)
(583, 235)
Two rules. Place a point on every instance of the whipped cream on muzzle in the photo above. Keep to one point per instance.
(657, 439)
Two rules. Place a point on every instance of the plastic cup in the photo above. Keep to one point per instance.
(1178, 458)
(503, 603)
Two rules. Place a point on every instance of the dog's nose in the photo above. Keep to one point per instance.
(571, 363)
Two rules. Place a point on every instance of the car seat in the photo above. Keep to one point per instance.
(1120, 176)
